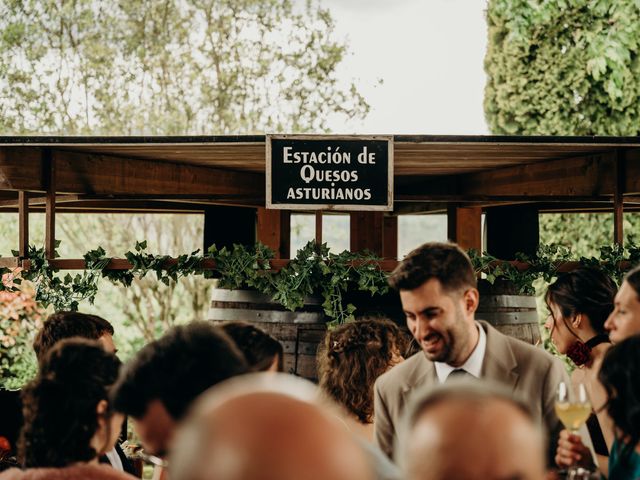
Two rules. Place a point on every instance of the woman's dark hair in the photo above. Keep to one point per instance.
(585, 290)
(61, 325)
(619, 375)
(257, 346)
(633, 279)
(59, 405)
(353, 356)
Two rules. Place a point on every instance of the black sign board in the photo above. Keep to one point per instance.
(329, 172)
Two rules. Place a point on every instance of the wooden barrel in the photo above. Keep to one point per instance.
(299, 332)
(513, 314)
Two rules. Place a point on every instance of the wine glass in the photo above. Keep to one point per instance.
(573, 409)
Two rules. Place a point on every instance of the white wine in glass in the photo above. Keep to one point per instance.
(573, 409)
(572, 406)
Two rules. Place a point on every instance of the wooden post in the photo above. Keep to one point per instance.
(390, 237)
(50, 205)
(464, 226)
(367, 232)
(274, 230)
(319, 227)
(618, 203)
(23, 223)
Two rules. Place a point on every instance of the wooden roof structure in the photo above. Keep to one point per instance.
(459, 175)
(431, 172)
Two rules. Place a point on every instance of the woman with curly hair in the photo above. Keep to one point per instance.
(68, 421)
(350, 360)
(619, 374)
(579, 303)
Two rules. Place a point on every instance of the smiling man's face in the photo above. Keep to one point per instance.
(441, 321)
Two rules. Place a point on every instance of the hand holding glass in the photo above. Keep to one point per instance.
(573, 409)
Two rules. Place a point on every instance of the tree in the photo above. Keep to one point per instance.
(563, 67)
(172, 67)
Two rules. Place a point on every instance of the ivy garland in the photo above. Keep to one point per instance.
(314, 270)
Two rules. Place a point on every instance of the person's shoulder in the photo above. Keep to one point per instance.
(12, 474)
(401, 373)
(96, 472)
(525, 352)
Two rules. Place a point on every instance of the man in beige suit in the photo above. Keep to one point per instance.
(438, 291)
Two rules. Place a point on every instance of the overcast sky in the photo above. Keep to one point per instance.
(429, 55)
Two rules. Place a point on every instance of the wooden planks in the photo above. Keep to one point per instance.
(464, 226)
(366, 232)
(274, 230)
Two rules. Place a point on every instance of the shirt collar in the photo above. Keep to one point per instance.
(473, 365)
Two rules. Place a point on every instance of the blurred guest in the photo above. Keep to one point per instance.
(624, 321)
(579, 303)
(63, 325)
(262, 351)
(351, 358)
(471, 431)
(159, 384)
(250, 429)
(69, 421)
(620, 374)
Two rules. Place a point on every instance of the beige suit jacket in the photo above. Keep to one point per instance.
(530, 372)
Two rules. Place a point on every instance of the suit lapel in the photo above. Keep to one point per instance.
(499, 361)
(424, 373)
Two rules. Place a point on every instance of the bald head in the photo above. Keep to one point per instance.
(472, 433)
(262, 434)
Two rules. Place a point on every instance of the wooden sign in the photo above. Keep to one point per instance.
(313, 172)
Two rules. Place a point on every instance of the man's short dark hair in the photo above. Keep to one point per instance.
(176, 369)
(62, 325)
(258, 347)
(444, 261)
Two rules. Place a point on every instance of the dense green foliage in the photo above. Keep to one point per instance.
(563, 67)
(169, 68)
(584, 233)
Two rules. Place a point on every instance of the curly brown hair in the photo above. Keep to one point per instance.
(59, 405)
(353, 356)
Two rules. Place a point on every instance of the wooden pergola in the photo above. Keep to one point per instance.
(224, 177)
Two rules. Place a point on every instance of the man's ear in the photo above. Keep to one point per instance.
(471, 300)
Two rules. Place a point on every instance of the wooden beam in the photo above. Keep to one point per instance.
(9, 262)
(366, 232)
(274, 230)
(49, 173)
(390, 237)
(618, 206)
(124, 264)
(21, 169)
(84, 173)
(580, 176)
(101, 174)
(464, 226)
(23, 224)
(319, 227)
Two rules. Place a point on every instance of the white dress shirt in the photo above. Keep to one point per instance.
(473, 365)
(114, 459)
